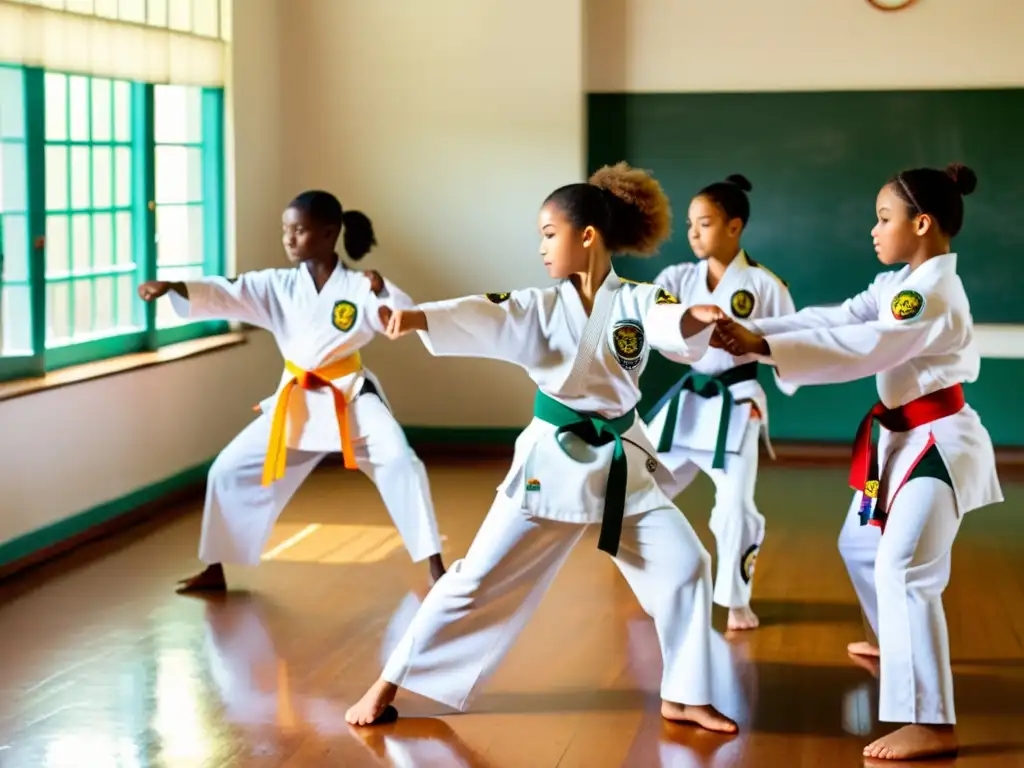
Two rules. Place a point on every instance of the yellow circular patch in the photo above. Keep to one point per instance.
(742, 303)
(497, 298)
(748, 563)
(628, 343)
(871, 489)
(907, 304)
(344, 315)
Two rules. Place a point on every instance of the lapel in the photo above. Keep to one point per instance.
(592, 334)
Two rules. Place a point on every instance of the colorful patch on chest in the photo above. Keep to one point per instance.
(664, 297)
(344, 315)
(907, 305)
(742, 303)
(628, 343)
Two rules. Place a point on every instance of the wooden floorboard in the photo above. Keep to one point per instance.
(101, 664)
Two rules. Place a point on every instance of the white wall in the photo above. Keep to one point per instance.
(69, 449)
(447, 122)
(756, 45)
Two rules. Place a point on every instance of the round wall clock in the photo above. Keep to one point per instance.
(891, 5)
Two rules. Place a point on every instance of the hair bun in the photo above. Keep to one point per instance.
(963, 177)
(739, 180)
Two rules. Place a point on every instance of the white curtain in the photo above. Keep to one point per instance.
(179, 42)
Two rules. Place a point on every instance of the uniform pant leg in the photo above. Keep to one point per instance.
(240, 512)
(911, 572)
(384, 456)
(858, 546)
(736, 523)
(473, 614)
(670, 572)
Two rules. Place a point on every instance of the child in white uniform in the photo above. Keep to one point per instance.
(321, 314)
(934, 461)
(712, 418)
(583, 461)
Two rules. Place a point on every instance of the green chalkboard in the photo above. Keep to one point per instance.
(816, 161)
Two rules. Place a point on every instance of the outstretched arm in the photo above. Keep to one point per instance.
(246, 298)
(682, 334)
(862, 308)
(782, 306)
(509, 327)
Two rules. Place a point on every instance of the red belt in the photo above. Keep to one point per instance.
(916, 413)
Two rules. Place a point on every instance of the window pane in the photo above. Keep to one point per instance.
(156, 12)
(106, 8)
(80, 196)
(81, 242)
(123, 234)
(102, 110)
(103, 240)
(16, 320)
(179, 175)
(126, 300)
(172, 235)
(15, 249)
(56, 178)
(56, 107)
(133, 10)
(179, 274)
(79, 108)
(12, 103)
(123, 177)
(58, 318)
(13, 178)
(83, 306)
(179, 15)
(57, 253)
(106, 305)
(122, 111)
(102, 166)
(177, 114)
(206, 17)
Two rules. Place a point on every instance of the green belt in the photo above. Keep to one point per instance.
(596, 430)
(706, 386)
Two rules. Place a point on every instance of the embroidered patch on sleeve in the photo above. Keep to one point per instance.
(628, 343)
(907, 305)
(497, 298)
(742, 303)
(664, 297)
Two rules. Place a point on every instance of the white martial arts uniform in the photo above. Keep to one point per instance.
(913, 330)
(694, 420)
(557, 485)
(312, 330)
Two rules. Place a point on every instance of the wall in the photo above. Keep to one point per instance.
(448, 123)
(751, 45)
(73, 448)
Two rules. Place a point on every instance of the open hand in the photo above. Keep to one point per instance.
(737, 340)
(376, 281)
(152, 290)
(403, 321)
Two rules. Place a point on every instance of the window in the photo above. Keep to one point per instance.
(111, 173)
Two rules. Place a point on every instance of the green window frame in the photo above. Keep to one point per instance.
(103, 184)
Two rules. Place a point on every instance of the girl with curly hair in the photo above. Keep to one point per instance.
(584, 461)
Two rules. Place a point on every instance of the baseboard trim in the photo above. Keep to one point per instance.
(51, 541)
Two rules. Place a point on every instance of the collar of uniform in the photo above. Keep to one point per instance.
(933, 268)
(737, 265)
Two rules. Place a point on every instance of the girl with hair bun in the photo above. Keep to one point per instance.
(934, 461)
(712, 418)
(321, 314)
(583, 462)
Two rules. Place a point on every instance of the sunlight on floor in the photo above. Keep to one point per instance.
(320, 543)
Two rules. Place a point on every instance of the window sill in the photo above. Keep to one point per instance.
(123, 364)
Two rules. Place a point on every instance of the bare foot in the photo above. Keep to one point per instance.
(742, 618)
(210, 580)
(705, 716)
(915, 741)
(863, 648)
(436, 568)
(374, 703)
(870, 663)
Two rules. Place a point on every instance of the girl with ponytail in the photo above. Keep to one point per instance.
(583, 462)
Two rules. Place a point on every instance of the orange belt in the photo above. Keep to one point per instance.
(277, 450)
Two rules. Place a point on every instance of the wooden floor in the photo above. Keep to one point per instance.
(101, 664)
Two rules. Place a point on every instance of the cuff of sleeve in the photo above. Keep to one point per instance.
(183, 307)
(442, 334)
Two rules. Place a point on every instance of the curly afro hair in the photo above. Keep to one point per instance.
(626, 205)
